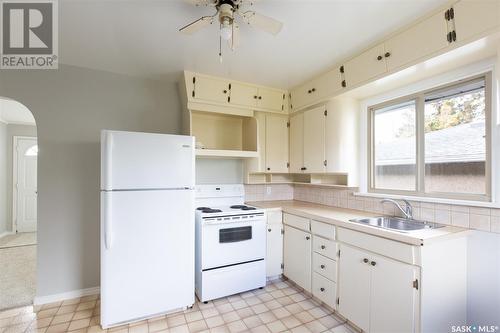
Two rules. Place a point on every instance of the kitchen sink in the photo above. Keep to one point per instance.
(397, 223)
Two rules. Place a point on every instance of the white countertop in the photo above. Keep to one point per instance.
(341, 216)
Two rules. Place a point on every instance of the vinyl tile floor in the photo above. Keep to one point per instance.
(279, 307)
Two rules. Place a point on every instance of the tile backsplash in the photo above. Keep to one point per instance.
(479, 218)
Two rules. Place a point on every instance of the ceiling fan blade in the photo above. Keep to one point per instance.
(262, 22)
(202, 2)
(197, 25)
(234, 42)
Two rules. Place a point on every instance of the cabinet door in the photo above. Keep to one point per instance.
(354, 286)
(472, 18)
(243, 95)
(271, 99)
(276, 144)
(314, 140)
(341, 147)
(301, 96)
(211, 89)
(327, 84)
(296, 143)
(365, 66)
(297, 257)
(420, 40)
(393, 297)
(274, 255)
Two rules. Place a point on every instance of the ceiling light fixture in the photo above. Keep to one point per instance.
(226, 14)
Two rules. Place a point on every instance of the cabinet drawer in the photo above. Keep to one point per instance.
(324, 289)
(323, 229)
(296, 221)
(324, 266)
(325, 247)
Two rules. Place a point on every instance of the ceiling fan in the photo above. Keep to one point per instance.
(227, 12)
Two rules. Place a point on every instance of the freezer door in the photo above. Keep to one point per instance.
(147, 254)
(132, 160)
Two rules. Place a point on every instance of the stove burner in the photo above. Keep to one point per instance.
(242, 207)
(211, 210)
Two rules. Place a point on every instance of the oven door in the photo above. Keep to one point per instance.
(232, 242)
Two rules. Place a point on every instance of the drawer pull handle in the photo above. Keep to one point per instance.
(322, 266)
(322, 289)
(269, 230)
(373, 263)
(308, 238)
(366, 260)
(323, 247)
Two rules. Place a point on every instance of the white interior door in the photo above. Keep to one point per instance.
(25, 184)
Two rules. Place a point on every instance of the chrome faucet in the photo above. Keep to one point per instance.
(407, 211)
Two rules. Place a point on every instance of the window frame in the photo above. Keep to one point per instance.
(419, 99)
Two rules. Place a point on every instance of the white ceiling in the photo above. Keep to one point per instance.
(12, 112)
(141, 38)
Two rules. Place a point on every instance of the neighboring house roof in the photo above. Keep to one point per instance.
(462, 143)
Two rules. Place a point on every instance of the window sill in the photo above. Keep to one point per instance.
(485, 204)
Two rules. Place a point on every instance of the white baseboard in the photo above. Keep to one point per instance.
(40, 300)
(6, 233)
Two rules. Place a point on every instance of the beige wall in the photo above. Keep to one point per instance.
(71, 105)
(4, 224)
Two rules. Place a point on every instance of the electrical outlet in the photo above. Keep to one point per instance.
(269, 190)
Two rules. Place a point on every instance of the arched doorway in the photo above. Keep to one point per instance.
(18, 204)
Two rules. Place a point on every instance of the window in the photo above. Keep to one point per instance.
(435, 143)
(32, 151)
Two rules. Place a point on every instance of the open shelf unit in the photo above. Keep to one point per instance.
(223, 135)
(324, 180)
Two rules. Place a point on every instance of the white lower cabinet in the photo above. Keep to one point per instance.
(377, 294)
(297, 256)
(274, 251)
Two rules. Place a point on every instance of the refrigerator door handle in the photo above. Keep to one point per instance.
(108, 237)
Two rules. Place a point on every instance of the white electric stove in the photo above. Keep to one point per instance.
(230, 242)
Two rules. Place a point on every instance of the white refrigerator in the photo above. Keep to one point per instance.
(147, 225)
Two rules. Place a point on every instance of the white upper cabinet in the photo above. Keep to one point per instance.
(314, 140)
(473, 18)
(243, 95)
(222, 95)
(272, 99)
(417, 42)
(323, 87)
(297, 143)
(365, 66)
(276, 143)
(341, 137)
(210, 89)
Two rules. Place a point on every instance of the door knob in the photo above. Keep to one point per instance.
(387, 54)
(322, 289)
(322, 266)
(269, 230)
(366, 260)
(323, 247)
(373, 263)
(379, 58)
(308, 238)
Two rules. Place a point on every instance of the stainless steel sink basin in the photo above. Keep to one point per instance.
(397, 223)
